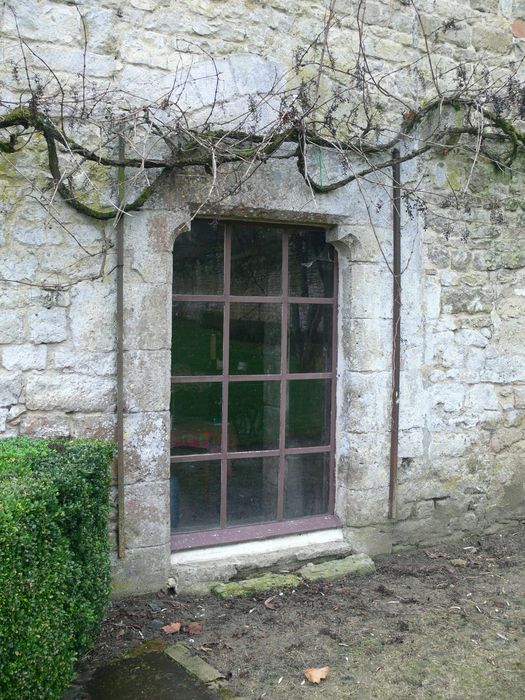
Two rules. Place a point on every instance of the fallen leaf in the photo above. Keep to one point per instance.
(172, 628)
(437, 555)
(458, 562)
(194, 628)
(273, 603)
(316, 675)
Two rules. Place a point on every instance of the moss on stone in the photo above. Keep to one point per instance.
(356, 564)
(258, 584)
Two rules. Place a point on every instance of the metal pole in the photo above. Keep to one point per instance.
(120, 358)
(396, 333)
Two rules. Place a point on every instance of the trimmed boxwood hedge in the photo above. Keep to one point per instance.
(54, 560)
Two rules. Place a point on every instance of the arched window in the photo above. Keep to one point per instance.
(253, 382)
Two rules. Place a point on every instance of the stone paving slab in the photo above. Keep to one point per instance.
(257, 584)
(356, 564)
(194, 664)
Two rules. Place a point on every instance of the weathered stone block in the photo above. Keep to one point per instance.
(359, 508)
(20, 266)
(182, 654)
(48, 325)
(147, 514)
(360, 302)
(92, 314)
(12, 326)
(25, 357)
(47, 425)
(432, 297)
(84, 362)
(10, 388)
(147, 380)
(363, 460)
(412, 399)
(368, 396)
(143, 570)
(465, 300)
(258, 584)
(495, 36)
(366, 344)
(37, 236)
(55, 24)
(15, 413)
(370, 540)
(69, 392)
(147, 317)
(356, 565)
(146, 440)
(448, 445)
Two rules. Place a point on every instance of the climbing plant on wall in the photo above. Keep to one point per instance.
(340, 116)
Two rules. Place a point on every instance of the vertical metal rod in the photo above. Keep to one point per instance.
(225, 374)
(285, 311)
(333, 411)
(396, 333)
(121, 516)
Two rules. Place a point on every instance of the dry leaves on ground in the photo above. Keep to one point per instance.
(316, 675)
(273, 603)
(194, 628)
(172, 628)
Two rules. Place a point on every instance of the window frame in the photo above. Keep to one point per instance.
(261, 530)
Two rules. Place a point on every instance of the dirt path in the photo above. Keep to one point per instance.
(447, 623)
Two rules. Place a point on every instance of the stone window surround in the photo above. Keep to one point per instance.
(149, 240)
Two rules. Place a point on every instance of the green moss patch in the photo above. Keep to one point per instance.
(258, 584)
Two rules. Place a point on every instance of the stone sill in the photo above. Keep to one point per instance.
(194, 570)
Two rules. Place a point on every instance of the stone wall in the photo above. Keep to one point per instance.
(463, 319)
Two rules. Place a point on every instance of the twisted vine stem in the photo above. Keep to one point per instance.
(204, 149)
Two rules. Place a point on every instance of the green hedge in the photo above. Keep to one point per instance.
(54, 560)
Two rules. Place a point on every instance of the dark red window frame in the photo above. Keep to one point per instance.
(281, 526)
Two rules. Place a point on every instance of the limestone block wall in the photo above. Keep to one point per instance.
(463, 317)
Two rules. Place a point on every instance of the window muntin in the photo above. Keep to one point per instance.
(253, 380)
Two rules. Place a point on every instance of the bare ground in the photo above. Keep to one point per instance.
(446, 623)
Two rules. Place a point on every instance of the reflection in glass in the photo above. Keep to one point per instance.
(195, 496)
(196, 418)
(197, 338)
(310, 337)
(311, 265)
(252, 490)
(255, 338)
(198, 259)
(253, 413)
(306, 485)
(256, 260)
(308, 414)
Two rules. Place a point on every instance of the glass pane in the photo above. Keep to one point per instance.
(195, 495)
(310, 337)
(196, 418)
(306, 485)
(311, 265)
(256, 260)
(255, 338)
(308, 414)
(254, 415)
(196, 338)
(198, 259)
(252, 490)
